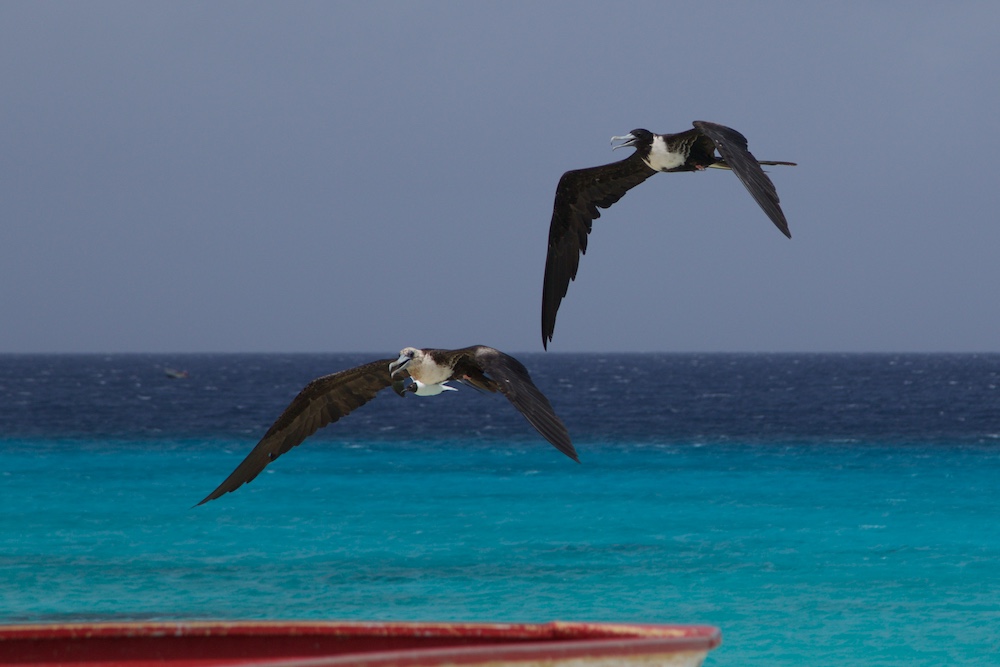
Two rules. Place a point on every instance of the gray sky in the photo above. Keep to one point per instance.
(237, 176)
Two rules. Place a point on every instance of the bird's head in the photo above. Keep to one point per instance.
(633, 139)
(406, 356)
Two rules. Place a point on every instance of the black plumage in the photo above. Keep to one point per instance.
(582, 192)
(331, 397)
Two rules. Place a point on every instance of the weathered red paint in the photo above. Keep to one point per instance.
(338, 644)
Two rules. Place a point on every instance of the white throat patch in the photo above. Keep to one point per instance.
(660, 158)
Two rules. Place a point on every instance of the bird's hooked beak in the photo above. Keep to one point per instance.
(628, 141)
(400, 364)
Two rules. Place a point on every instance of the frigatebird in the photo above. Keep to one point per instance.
(328, 398)
(581, 192)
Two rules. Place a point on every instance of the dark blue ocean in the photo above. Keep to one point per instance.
(819, 509)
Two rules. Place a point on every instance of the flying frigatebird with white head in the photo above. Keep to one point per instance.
(581, 192)
(328, 398)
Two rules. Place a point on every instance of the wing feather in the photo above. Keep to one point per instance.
(733, 148)
(579, 194)
(322, 402)
(514, 382)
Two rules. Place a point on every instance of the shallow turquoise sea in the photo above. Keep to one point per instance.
(818, 537)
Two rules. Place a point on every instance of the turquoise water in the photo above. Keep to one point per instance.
(802, 549)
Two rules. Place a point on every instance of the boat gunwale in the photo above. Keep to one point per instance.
(474, 642)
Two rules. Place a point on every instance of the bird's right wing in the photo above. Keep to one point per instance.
(322, 401)
(578, 196)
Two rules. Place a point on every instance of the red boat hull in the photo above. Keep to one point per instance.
(338, 644)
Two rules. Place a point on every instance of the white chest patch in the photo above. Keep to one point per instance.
(428, 372)
(661, 159)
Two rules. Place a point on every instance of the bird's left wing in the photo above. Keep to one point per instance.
(514, 382)
(733, 148)
(322, 401)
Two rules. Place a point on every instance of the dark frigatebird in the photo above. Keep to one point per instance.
(328, 398)
(582, 191)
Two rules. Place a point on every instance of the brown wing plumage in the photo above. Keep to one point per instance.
(733, 148)
(578, 196)
(511, 378)
(322, 401)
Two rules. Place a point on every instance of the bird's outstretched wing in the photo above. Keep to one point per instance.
(732, 147)
(514, 382)
(578, 196)
(322, 401)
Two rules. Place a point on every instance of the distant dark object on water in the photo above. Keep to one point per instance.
(175, 374)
